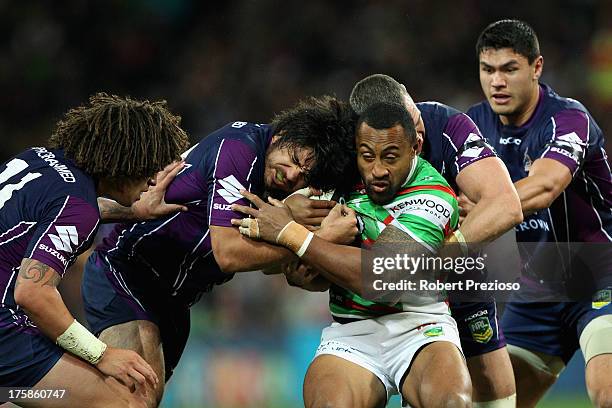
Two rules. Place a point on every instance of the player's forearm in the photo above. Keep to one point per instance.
(111, 211)
(536, 192)
(491, 217)
(340, 264)
(44, 305)
(242, 255)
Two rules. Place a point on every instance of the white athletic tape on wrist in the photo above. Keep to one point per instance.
(507, 402)
(304, 246)
(80, 342)
(280, 234)
(293, 236)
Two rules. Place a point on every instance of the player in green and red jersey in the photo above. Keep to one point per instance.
(376, 349)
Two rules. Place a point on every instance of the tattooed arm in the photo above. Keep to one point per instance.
(112, 211)
(36, 292)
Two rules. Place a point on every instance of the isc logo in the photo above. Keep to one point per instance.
(509, 140)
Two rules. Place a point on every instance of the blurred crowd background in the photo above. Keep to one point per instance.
(216, 62)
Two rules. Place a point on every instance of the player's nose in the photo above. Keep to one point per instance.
(498, 80)
(379, 171)
(293, 174)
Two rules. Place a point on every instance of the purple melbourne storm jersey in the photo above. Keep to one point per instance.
(48, 212)
(452, 141)
(177, 248)
(563, 130)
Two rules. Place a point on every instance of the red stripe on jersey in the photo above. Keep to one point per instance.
(429, 187)
(368, 242)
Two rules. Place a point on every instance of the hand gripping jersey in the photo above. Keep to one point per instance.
(48, 212)
(563, 130)
(425, 209)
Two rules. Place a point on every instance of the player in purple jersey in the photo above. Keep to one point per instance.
(111, 147)
(452, 143)
(141, 281)
(554, 151)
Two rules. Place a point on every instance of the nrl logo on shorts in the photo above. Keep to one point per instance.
(481, 329)
(602, 299)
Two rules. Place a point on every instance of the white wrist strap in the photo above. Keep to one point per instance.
(304, 246)
(80, 342)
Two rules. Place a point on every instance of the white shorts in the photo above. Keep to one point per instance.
(386, 345)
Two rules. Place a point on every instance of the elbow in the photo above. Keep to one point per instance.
(227, 262)
(515, 214)
(224, 262)
(25, 298)
(508, 211)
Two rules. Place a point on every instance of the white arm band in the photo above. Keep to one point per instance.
(80, 342)
(304, 246)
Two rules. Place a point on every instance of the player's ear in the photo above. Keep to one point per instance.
(538, 65)
(418, 144)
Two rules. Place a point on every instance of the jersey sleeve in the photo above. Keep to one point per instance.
(233, 172)
(566, 138)
(468, 144)
(67, 228)
(427, 214)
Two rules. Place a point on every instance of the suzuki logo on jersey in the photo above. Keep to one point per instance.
(222, 207)
(509, 141)
(55, 253)
(569, 145)
(475, 150)
(231, 189)
(65, 236)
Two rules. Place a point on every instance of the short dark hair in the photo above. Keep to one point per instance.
(514, 34)
(327, 126)
(386, 115)
(374, 89)
(120, 138)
